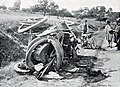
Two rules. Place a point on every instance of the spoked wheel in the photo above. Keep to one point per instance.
(43, 50)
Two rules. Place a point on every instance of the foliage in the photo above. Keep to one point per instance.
(101, 9)
(17, 4)
(9, 50)
(81, 13)
(43, 6)
(65, 13)
(49, 7)
(94, 12)
(11, 9)
(3, 7)
(46, 7)
(53, 8)
(26, 10)
(35, 8)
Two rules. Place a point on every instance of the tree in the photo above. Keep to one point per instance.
(62, 12)
(110, 10)
(78, 13)
(101, 10)
(26, 10)
(53, 9)
(11, 8)
(65, 13)
(36, 8)
(93, 12)
(3, 7)
(86, 10)
(17, 4)
(43, 6)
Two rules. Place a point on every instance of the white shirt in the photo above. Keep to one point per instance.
(81, 27)
(107, 28)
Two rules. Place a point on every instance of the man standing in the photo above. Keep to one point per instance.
(118, 33)
(84, 27)
(109, 33)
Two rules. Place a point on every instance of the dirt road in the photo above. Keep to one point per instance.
(109, 63)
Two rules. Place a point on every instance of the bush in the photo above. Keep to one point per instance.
(9, 49)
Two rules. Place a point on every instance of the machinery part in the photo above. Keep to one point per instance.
(48, 31)
(69, 29)
(40, 75)
(40, 53)
(33, 41)
(118, 20)
(70, 23)
(93, 43)
(50, 40)
(21, 68)
(60, 35)
(22, 29)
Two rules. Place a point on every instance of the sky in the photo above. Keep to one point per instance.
(70, 4)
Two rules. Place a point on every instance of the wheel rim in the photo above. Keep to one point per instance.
(55, 43)
(22, 29)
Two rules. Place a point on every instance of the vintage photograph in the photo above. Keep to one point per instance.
(59, 43)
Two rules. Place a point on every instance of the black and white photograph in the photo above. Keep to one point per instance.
(59, 43)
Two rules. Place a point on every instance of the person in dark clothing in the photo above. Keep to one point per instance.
(85, 27)
(118, 33)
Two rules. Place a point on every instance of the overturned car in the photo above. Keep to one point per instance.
(49, 50)
(50, 47)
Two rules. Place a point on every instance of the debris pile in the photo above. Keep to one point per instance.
(53, 54)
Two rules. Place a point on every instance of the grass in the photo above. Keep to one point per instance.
(10, 50)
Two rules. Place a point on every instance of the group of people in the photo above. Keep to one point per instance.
(112, 33)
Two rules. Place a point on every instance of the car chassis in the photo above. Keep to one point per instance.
(50, 47)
